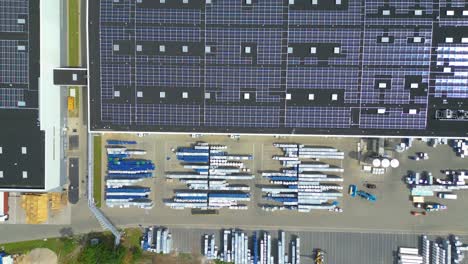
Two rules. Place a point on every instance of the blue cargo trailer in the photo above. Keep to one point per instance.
(192, 150)
(130, 162)
(130, 167)
(228, 195)
(282, 178)
(134, 176)
(284, 199)
(255, 248)
(195, 159)
(112, 157)
(128, 189)
(124, 197)
(120, 142)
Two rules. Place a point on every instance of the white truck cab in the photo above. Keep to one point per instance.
(450, 196)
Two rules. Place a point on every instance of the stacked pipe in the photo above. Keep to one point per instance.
(210, 249)
(265, 249)
(123, 172)
(296, 251)
(209, 185)
(293, 152)
(157, 240)
(120, 142)
(226, 253)
(449, 251)
(426, 251)
(281, 248)
(459, 250)
(303, 186)
(235, 247)
(409, 256)
(128, 195)
(435, 253)
(442, 256)
(293, 252)
(120, 179)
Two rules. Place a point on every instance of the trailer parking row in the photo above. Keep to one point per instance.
(209, 181)
(125, 169)
(304, 183)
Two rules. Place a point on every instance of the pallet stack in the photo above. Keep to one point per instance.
(36, 207)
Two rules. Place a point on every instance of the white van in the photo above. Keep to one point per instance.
(3, 218)
(450, 196)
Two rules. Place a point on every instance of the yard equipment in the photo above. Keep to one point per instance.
(367, 196)
(352, 190)
(320, 257)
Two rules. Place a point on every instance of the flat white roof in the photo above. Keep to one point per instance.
(50, 96)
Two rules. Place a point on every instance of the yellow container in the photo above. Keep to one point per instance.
(71, 103)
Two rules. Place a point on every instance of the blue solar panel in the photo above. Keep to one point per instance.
(171, 115)
(243, 116)
(395, 119)
(14, 16)
(148, 16)
(278, 66)
(223, 12)
(117, 12)
(9, 98)
(15, 87)
(14, 62)
(352, 16)
(318, 117)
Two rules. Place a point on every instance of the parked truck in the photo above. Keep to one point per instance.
(450, 196)
(430, 207)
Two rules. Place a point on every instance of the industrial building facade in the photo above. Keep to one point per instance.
(344, 67)
(31, 134)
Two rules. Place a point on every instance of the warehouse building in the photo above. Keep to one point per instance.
(344, 67)
(31, 142)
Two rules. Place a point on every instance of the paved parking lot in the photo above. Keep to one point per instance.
(390, 214)
(340, 248)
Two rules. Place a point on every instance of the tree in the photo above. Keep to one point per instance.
(102, 254)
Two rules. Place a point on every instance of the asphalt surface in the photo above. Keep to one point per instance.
(390, 214)
(340, 248)
(82, 221)
(74, 178)
(73, 142)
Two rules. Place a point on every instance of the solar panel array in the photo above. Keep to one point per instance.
(451, 76)
(307, 66)
(22, 142)
(14, 54)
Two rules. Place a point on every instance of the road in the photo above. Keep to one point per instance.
(82, 222)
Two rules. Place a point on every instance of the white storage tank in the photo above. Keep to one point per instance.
(376, 162)
(394, 163)
(385, 163)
